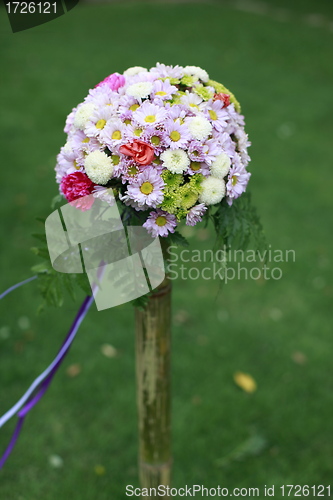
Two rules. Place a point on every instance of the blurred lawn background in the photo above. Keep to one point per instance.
(277, 59)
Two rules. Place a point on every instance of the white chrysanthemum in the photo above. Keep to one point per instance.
(140, 90)
(175, 160)
(200, 127)
(198, 72)
(221, 166)
(213, 190)
(83, 114)
(134, 70)
(98, 167)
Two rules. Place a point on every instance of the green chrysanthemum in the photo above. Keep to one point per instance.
(203, 92)
(173, 81)
(188, 196)
(172, 181)
(181, 214)
(176, 97)
(221, 88)
(170, 202)
(188, 80)
(195, 182)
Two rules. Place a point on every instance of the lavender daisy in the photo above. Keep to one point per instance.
(195, 214)
(238, 179)
(149, 114)
(217, 115)
(147, 188)
(113, 133)
(162, 90)
(160, 223)
(155, 137)
(177, 135)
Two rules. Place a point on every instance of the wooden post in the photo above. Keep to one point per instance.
(153, 347)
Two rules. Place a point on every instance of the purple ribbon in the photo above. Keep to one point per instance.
(38, 388)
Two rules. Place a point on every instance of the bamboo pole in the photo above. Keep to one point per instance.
(153, 342)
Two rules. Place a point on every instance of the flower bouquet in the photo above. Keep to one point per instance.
(167, 142)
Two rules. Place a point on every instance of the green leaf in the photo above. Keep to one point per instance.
(43, 267)
(177, 239)
(56, 201)
(239, 224)
(141, 302)
(83, 283)
(40, 237)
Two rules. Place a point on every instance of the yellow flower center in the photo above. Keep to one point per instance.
(116, 135)
(155, 140)
(115, 159)
(127, 122)
(175, 136)
(75, 165)
(161, 93)
(132, 170)
(100, 124)
(150, 118)
(234, 180)
(146, 188)
(195, 166)
(161, 220)
(137, 131)
(86, 139)
(212, 114)
(134, 107)
(194, 105)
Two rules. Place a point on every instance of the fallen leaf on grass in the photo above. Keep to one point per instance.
(109, 351)
(99, 470)
(73, 370)
(252, 446)
(55, 461)
(245, 382)
(299, 358)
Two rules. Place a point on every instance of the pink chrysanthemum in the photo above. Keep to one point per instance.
(160, 223)
(113, 81)
(76, 185)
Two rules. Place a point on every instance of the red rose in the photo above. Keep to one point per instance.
(140, 151)
(222, 97)
(76, 185)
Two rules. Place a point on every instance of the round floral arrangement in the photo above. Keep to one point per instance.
(166, 143)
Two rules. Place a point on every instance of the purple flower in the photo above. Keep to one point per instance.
(160, 223)
(238, 179)
(196, 151)
(211, 149)
(177, 134)
(70, 121)
(147, 188)
(195, 214)
(155, 137)
(217, 115)
(163, 90)
(198, 168)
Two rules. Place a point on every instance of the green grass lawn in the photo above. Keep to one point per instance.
(280, 332)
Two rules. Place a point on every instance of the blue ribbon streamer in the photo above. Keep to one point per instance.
(40, 385)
